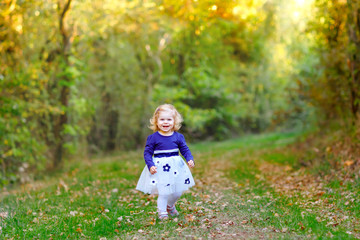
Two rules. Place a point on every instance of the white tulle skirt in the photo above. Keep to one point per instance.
(173, 175)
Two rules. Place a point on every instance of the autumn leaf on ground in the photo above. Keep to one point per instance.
(4, 214)
(348, 163)
(63, 185)
(190, 217)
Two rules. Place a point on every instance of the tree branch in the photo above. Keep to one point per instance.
(63, 32)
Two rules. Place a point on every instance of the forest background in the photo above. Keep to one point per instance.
(83, 77)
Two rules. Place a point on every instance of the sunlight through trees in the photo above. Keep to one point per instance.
(82, 77)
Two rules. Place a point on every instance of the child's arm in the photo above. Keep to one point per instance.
(185, 151)
(148, 153)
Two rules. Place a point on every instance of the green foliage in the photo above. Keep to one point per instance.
(202, 100)
(20, 104)
(33, 77)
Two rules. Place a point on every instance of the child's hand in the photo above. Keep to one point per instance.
(191, 163)
(153, 170)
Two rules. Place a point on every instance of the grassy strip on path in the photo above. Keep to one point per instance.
(276, 194)
(247, 188)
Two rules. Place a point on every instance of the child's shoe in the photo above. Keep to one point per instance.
(163, 216)
(172, 210)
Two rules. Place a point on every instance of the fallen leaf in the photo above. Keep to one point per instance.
(348, 163)
(62, 184)
(73, 213)
(190, 217)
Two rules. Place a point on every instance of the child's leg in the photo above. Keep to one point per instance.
(161, 204)
(171, 209)
(173, 198)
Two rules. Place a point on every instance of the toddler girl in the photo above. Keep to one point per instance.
(165, 172)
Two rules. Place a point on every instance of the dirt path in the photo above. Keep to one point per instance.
(219, 212)
(227, 210)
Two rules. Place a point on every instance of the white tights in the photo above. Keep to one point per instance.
(164, 200)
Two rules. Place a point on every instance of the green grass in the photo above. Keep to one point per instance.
(96, 199)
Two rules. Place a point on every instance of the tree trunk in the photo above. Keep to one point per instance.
(149, 66)
(354, 58)
(65, 90)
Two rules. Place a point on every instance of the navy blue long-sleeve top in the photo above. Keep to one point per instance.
(158, 142)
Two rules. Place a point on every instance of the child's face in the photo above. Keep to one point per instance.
(165, 122)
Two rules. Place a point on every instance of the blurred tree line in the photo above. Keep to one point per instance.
(335, 85)
(84, 76)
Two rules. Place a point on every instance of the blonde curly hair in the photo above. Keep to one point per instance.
(166, 108)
